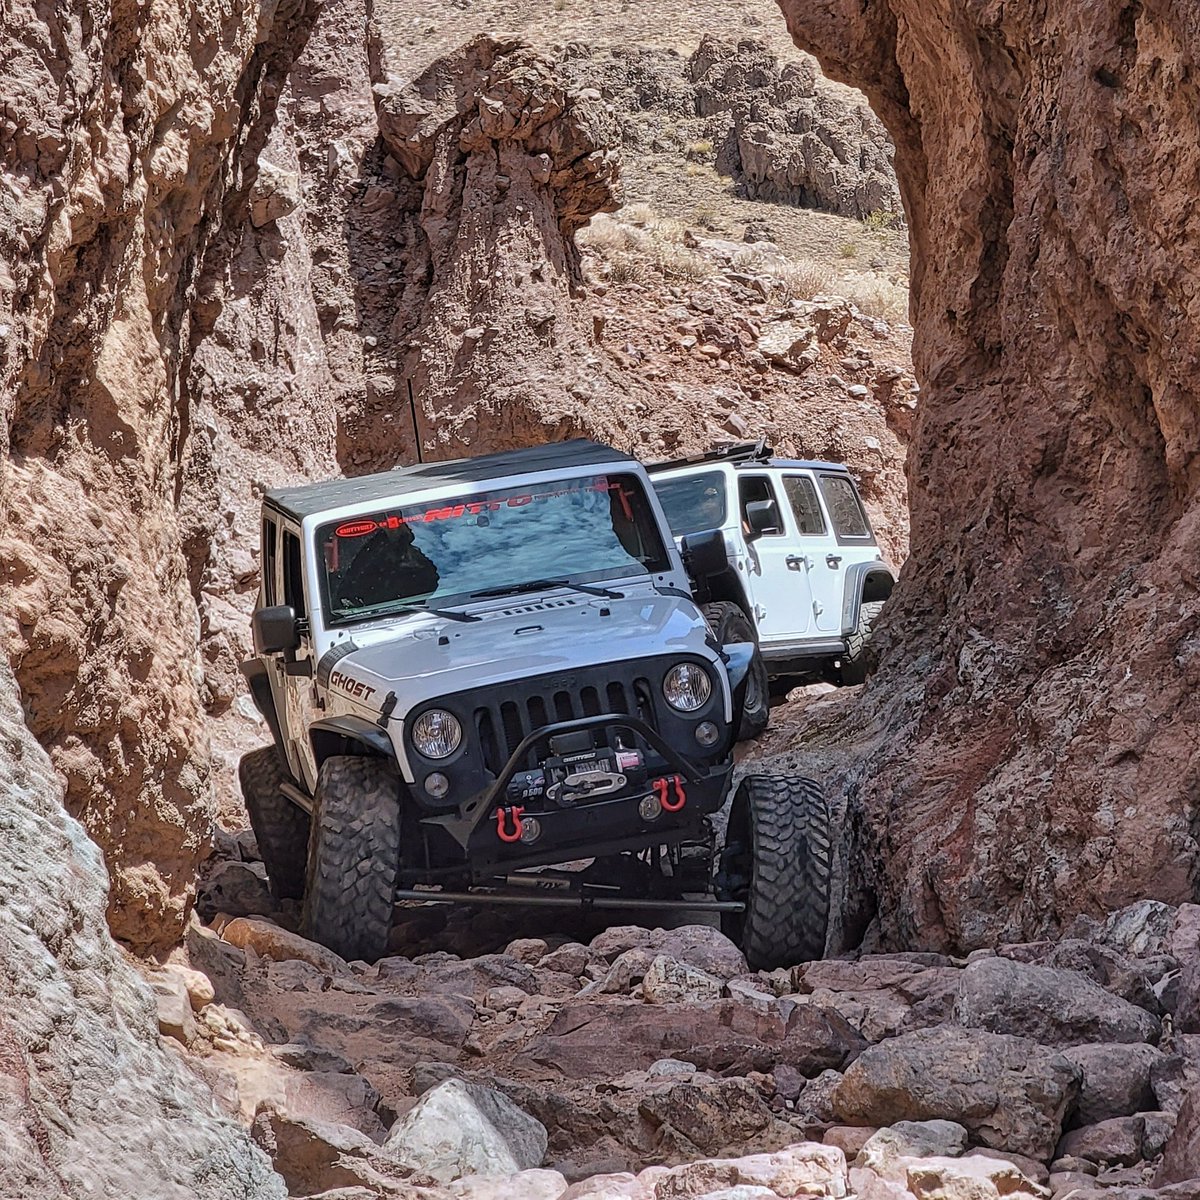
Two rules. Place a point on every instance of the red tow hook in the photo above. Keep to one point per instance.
(518, 826)
(662, 788)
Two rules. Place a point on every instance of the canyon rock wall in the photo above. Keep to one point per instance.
(126, 131)
(1028, 750)
(90, 1103)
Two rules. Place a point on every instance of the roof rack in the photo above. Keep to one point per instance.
(741, 452)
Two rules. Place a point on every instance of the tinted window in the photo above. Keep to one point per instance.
(802, 495)
(753, 488)
(694, 504)
(270, 535)
(584, 529)
(849, 520)
(293, 575)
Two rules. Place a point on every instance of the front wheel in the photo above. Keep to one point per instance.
(729, 624)
(353, 856)
(777, 862)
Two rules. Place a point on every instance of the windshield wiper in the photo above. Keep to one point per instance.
(393, 610)
(537, 585)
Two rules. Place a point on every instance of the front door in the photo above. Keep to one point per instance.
(777, 584)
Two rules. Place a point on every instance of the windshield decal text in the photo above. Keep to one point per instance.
(361, 526)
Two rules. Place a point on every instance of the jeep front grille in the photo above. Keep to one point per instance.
(502, 724)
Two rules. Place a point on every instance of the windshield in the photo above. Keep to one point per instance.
(693, 504)
(583, 529)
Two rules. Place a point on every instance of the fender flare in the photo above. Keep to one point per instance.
(258, 680)
(867, 581)
(738, 657)
(329, 737)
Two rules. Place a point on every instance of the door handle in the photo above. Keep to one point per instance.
(796, 563)
(833, 561)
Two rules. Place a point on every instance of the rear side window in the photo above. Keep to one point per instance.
(845, 509)
(293, 575)
(270, 553)
(802, 496)
(693, 504)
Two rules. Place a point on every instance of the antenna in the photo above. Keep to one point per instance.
(412, 408)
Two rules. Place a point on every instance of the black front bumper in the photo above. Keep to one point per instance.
(485, 827)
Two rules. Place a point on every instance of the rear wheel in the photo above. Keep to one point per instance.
(280, 827)
(854, 662)
(776, 860)
(729, 624)
(353, 856)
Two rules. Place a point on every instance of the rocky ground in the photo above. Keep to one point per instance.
(650, 1063)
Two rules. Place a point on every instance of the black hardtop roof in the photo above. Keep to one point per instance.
(313, 498)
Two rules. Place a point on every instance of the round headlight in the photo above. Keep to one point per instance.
(436, 733)
(687, 687)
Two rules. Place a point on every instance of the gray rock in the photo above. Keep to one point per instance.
(1055, 1008)
(1009, 1093)
(93, 1104)
(1116, 1079)
(1113, 1143)
(910, 1139)
(460, 1128)
(175, 1019)
(670, 982)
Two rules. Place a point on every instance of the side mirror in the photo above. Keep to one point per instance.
(762, 517)
(704, 554)
(275, 630)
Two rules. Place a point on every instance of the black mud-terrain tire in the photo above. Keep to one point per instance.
(777, 860)
(280, 827)
(854, 663)
(353, 856)
(729, 624)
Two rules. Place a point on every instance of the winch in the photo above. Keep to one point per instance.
(574, 778)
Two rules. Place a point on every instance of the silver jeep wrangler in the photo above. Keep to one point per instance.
(475, 671)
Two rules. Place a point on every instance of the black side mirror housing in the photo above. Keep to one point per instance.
(762, 517)
(275, 630)
(704, 554)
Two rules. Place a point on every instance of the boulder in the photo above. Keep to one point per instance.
(668, 981)
(527, 1185)
(1174, 1075)
(460, 1128)
(716, 1116)
(967, 1179)
(318, 1156)
(1009, 1092)
(1181, 1155)
(175, 1019)
(1116, 1080)
(1055, 1008)
(269, 940)
(593, 1039)
(883, 1152)
(1113, 1143)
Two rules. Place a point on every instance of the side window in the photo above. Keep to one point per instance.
(845, 509)
(802, 495)
(270, 560)
(757, 487)
(293, 575)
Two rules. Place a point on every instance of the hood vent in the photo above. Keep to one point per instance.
(537, 606)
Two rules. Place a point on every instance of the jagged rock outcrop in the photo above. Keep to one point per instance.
(90, 1103)
(120, 143)
(794, 138)
(1027, 752)
(510, 164)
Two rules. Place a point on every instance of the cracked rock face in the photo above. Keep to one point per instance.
(1028, 751)
(81, 1067)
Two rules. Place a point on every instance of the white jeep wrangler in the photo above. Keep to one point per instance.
(475, 670)
(802, 576)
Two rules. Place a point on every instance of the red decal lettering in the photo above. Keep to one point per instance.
(357, 528)
(445, 514)
(519, 501)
